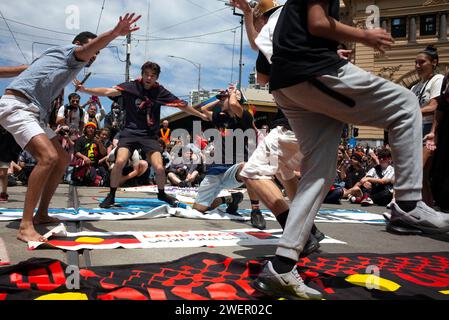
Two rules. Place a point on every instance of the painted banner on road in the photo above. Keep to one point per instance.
(61, 239)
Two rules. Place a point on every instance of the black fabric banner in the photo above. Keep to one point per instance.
(206, 276)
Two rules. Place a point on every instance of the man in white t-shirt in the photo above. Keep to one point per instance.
(71, 115)
(377, 185)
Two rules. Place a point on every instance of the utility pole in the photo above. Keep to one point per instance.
(235, 13)
(239, 86)
(128, 57)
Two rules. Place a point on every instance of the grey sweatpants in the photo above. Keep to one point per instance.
(317, 112)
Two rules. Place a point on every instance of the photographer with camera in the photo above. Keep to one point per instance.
(114, 119)
(91, 114)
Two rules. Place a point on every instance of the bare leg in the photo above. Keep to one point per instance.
(174, 179)
(52, 184)
(43, 151)
(269, 194)
(4, 178)
(158, 166)
(122, 157)
(291, 186)
(137, 172)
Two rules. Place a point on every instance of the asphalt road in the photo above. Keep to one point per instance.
(359, 238)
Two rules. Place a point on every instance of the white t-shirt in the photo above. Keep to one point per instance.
(388, 173)
(72, 119)
(426, 90)
(264, 40)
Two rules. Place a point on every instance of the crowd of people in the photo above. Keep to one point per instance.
(317, 90)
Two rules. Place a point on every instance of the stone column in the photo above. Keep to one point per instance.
(412, 30)
(443, 27)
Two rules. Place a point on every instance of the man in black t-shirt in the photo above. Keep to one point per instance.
(142, 100)
(224, 171)
(319, 92)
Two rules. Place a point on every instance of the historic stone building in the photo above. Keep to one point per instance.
(414, 24)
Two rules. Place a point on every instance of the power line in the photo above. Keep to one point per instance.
(14, 37)
(49, 30)
(190, 20)
(99, 19)
(189, 37)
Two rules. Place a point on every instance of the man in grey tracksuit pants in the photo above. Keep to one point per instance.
(319, 92)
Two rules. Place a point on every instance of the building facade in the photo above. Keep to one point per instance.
(414, 24)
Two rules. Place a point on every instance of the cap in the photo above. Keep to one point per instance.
(358, 156)
(90, 124)
(265, 6)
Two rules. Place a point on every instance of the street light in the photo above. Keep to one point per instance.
(197, 65)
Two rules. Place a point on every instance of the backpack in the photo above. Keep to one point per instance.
(66, 112)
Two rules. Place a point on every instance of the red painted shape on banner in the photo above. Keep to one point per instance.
(245, 286)
(41, 278)
(185, 292)
(425, 280)
(223, 291)
(123, 293)
(157, 294)
(261, 235)
(88, 274)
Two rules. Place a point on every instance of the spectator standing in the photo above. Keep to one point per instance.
(71, 114)
(165, 132)
(427, 90)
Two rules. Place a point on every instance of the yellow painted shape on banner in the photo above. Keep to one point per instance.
(373, 282)
(445, 292)
(89, 240)
(64, 296)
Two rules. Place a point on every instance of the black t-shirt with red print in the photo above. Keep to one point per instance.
(143, 107)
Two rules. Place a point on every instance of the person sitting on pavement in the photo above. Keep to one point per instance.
(136, 167)
(377, 185)
(184, 173)
(88, 151)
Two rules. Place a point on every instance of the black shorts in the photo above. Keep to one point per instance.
(132, 142)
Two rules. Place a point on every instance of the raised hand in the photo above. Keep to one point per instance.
(78, 85)
(378, 39)
(242, 5)
(125, 25)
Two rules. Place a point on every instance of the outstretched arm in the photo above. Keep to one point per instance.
(9, 72)
(124, 26)
(102, 92)
(193, 112)
(320, 24)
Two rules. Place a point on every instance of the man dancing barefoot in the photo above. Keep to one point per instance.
(25, 109)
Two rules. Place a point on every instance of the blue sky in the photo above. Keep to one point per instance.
(203, 31)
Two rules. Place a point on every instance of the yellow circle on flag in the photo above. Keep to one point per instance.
(89, 240)
(64, 296)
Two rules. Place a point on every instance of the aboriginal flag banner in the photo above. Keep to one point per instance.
(206, 276)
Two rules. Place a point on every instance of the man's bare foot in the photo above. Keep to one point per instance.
(44, 219)
(29, 234)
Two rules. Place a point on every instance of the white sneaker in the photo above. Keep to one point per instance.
(422, 217)
(287, 285)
